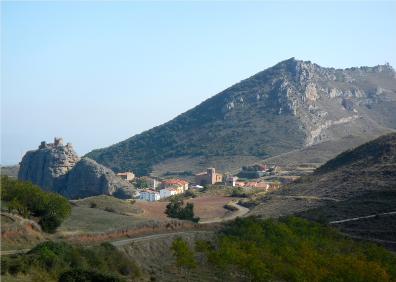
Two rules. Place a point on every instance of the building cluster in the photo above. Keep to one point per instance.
(161, 189)
(167, 188)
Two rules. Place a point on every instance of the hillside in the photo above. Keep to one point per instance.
(10, 171)
(357, 183)
(286, 107)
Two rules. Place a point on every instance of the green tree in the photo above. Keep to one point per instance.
(184, 256)
(175, 209)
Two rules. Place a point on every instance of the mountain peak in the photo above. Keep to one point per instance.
(286, 107)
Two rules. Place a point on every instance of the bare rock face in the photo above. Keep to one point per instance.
(48, 165)
(57, 168)
(88, 178)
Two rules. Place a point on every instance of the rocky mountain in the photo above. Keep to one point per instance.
(56, 167)
(357, 183)
(292, 105)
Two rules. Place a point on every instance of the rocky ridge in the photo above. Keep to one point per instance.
(292, 105)
(57, 168)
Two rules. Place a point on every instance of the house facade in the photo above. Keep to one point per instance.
(179, 184)
(208, 177)
(167, 192)
(128, 175)
(231, 181)
(149, 195)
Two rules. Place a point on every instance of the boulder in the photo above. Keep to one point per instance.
(88, 178)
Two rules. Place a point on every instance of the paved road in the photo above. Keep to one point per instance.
(362, 217)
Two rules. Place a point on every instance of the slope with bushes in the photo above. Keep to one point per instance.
(29, 200)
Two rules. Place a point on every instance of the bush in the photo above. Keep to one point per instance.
(109, 209)
(79, 275)
(27, 199)
(175, 209)
(93, 205)
(67, 262)
(49, 223)
(238, 192)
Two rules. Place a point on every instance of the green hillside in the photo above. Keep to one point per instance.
(285, 107)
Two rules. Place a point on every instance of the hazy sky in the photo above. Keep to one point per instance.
(97, 73)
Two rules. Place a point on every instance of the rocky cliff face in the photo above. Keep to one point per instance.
(292, 105)
(48, 165)
(88, 178)
(57, 168)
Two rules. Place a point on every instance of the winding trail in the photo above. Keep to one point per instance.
(241, 211)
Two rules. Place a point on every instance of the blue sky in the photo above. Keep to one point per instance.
(97, 73)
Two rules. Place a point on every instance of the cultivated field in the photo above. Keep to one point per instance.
(205, 207)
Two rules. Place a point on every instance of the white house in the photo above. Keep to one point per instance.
(231, 181)
(167, 192)
(149, 195)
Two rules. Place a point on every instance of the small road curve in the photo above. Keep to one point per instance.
(241, 211)
(362, 217)
(119, 243)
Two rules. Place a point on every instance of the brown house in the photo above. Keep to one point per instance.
(208, 177)
(128, 175)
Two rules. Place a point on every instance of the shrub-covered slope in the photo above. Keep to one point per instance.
(288, 106)
(357, 183)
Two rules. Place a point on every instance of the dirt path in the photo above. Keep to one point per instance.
(238, 213)
(362, 217)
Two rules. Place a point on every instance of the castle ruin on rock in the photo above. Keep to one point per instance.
(57, 168)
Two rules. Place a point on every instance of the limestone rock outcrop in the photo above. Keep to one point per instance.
(48, 165)
(57, 168)
(88, 178)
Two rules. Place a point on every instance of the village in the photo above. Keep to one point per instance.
(262, 178)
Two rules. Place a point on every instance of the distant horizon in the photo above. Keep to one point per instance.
(97, 73)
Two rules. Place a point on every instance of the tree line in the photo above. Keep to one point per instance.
(288, 249)
(29, 200)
